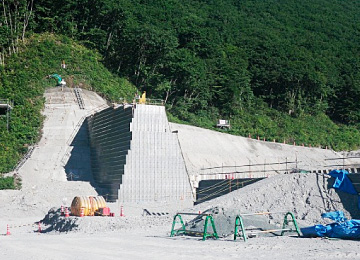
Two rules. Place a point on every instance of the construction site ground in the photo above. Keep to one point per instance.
(45, 187)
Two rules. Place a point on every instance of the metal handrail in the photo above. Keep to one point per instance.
(247, 165)
(9, 104)
(150, 101)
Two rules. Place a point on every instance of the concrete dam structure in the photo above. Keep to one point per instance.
(132, 155)
(136, 158)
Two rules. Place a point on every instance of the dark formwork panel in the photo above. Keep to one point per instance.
(110, 138)
(211, 189)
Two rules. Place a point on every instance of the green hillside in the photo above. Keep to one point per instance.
(300, 57)
(284, 70)
(23, 80)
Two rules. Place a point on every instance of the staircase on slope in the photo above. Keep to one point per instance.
(155, 170)
(79, 98)
(136, 158)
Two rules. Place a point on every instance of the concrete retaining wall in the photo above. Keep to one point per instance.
(133, 149)
(212, 155)
(155, 170)
(110, 137)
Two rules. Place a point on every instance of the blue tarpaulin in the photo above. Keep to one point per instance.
(337, 216)
(342, 181)
(342, 228)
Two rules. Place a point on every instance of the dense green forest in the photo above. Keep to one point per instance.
(285, 70)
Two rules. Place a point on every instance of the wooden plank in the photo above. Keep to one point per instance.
(268, 231)
(194, 214)
(263, 213)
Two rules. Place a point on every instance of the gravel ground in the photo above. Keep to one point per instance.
(147, 237)
(307, 196)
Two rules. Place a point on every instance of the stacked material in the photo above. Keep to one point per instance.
(89, 204)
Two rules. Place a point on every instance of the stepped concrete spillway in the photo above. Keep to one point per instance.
(136, 158)
(155, 169)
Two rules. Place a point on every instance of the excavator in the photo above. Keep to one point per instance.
(59, 80)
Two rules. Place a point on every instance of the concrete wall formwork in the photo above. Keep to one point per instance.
(136, 157)
(155, 170)
(109, 132)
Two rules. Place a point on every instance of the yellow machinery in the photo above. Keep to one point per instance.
(142, 100)
(89, 203)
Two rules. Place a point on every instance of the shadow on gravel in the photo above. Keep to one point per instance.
(326, 201)
(55, 222)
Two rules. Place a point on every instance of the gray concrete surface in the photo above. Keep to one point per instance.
(155, 170)
(44, 179)
(214, 155)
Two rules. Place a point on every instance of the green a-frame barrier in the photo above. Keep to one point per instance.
(205, 234)
(239, 223)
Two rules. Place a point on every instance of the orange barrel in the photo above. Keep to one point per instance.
(89, 203)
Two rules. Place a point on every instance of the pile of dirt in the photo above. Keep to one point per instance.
(307, 196)
(55, 222)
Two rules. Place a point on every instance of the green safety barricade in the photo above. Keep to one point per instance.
(239, 223)
(205, 234)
